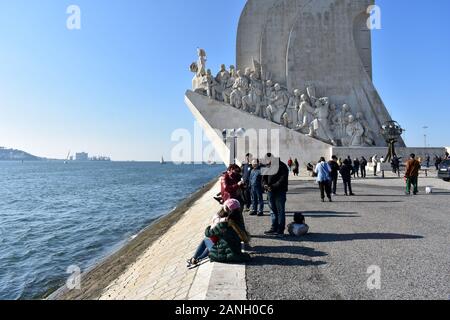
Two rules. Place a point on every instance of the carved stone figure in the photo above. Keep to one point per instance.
(319, 127)
(254, 99)
(201, 63)
(222, 79)
(355, 131)
(368, 137)
(278, 103)
(226, 94)
(305, 113)
(341, 125)
(211, 84)
(241, 82)
(291, 115)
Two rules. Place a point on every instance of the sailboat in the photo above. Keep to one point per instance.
(67, 159)
(162, 160)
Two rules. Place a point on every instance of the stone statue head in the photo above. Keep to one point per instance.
(351, 119)
(208, 72)
(333, 107)
(277, 87)
(223, 68)
(297, 93)
(359, 116)
(346, 107)
(269, 83)
(201, 52)
(304, 97)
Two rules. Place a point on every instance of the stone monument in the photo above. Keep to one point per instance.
(304, 67)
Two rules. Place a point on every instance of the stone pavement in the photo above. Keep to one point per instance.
(161, 272)
(407, 238)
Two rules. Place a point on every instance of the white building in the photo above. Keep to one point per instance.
(82, 156)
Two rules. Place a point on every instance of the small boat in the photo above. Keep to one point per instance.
(162, 160)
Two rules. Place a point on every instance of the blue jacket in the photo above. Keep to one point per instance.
(256, 179)
(323, 171)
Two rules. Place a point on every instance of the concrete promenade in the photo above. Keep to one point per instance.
(407, 238)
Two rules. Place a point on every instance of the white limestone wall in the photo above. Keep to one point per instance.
(262, 136)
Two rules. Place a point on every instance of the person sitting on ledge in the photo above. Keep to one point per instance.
(206, 245)
(228, 236)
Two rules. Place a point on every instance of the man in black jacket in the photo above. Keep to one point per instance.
(346, 173)
(246, 170)
(334, 174)
(276, 183)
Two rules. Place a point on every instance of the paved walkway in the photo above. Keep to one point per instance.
(406, 237)
(161, 272)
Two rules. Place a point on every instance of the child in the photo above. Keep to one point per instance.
(298, 228)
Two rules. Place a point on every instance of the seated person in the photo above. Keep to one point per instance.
(298, 228)
(228, 236)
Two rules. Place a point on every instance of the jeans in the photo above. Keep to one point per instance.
(325, 187)
(257, 200)
(348, 186)
(203, 249)
(334, 183)
(277, 203)
(414, 181)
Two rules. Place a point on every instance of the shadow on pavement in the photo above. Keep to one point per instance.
(309, 252)
(262, 260)
(332, 237)
(326, 214)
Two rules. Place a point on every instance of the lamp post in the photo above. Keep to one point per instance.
(233, 134)
(425, 136)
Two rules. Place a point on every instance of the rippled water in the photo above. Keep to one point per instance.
(54, 215)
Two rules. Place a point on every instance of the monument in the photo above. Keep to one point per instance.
(304, 71)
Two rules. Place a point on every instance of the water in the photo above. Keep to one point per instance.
(55, 215)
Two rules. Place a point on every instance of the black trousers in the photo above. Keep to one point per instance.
(247, 195)
(325, 187)
(363, 172)
(348, 186)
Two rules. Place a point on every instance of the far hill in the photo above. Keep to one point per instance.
(16, 155)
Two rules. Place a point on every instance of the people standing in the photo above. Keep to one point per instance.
(296, 168)
(375, 165)
(246, 169)
(346, 174)
(334, 174)
(412, 175)
(395, 164)
(290, 164)
(356, 165)
(363, 165)
(256, 187)
(276, 183)
(323, 172)
(231, 186)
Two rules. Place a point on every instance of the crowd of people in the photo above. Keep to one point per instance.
(242, 190)
(243, 187)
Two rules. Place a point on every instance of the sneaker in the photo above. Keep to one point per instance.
(253, 213)
(271, 232)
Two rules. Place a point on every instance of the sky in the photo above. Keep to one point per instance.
(116, 86)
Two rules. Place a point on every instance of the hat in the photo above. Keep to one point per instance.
(231, 205)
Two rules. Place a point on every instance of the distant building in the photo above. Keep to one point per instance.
(82, 156)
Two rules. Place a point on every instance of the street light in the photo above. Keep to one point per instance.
(425, 136)
(234, 134)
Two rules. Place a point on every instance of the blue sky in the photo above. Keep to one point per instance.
(116, 86)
